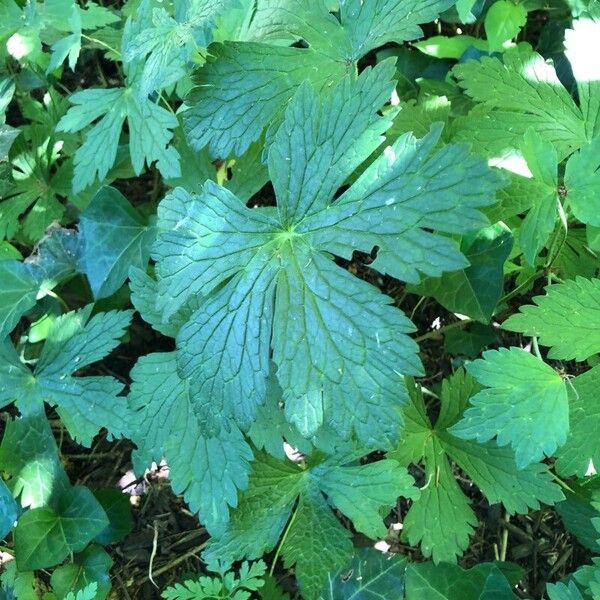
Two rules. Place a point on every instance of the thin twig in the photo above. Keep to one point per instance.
(153, 556)
(176, 561)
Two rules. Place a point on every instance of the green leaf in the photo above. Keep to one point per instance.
(580, 514)
(85, 404)
(503, 21)
(528, 410)
(87, 593)
(250, 579)
(516, 93)
(581, 42)
(150, 132)
(540, 220)
(582, 180)
(370, 575)
(167, 44)
(260, 78)
(24, 282)
(91, 567)
(44, 537)
(15, 584)
(314, 541)
(28, 454)
(581, 451)
(441, 520)
(20, 287)
(441, 46)
(207, 470)
(267, 281)
(485, 581)
(115, 238)
(565, 319)
(8, 510)
(475, 290)
(117, 507)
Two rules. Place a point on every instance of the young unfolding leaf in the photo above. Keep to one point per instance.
(245, 86)
(166, 43)
(315, 541)
(525, 405)
(85, 404)
(442, 520)
(566, 319)
(208, 471)
(267, 281)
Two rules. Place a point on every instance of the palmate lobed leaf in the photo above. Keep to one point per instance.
(85, 404)
(567, 319)
(265, 279)
(441, 520)
(150, 133)
(245, 85)
(315, 542)
(207, 470)
(529, 409)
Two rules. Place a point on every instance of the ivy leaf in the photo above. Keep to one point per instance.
(370, 575)
(91, 566)
(29, 456)
(150, 132)
(20, 287)
(44, 536)
(54, 261)
(208, 471)
(8, 510)
(581, 451)
(261, 77)
(115, 238)
(442, 520)
(447, 581)
(529, 410)
(565, 318)
(266, 280)
(475, 290)
(315, 541)
(85, 404)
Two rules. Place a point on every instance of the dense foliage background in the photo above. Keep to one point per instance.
(299, 299)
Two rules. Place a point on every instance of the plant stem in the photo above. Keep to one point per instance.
(101, 43)
(442, 330)
(285, 534)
